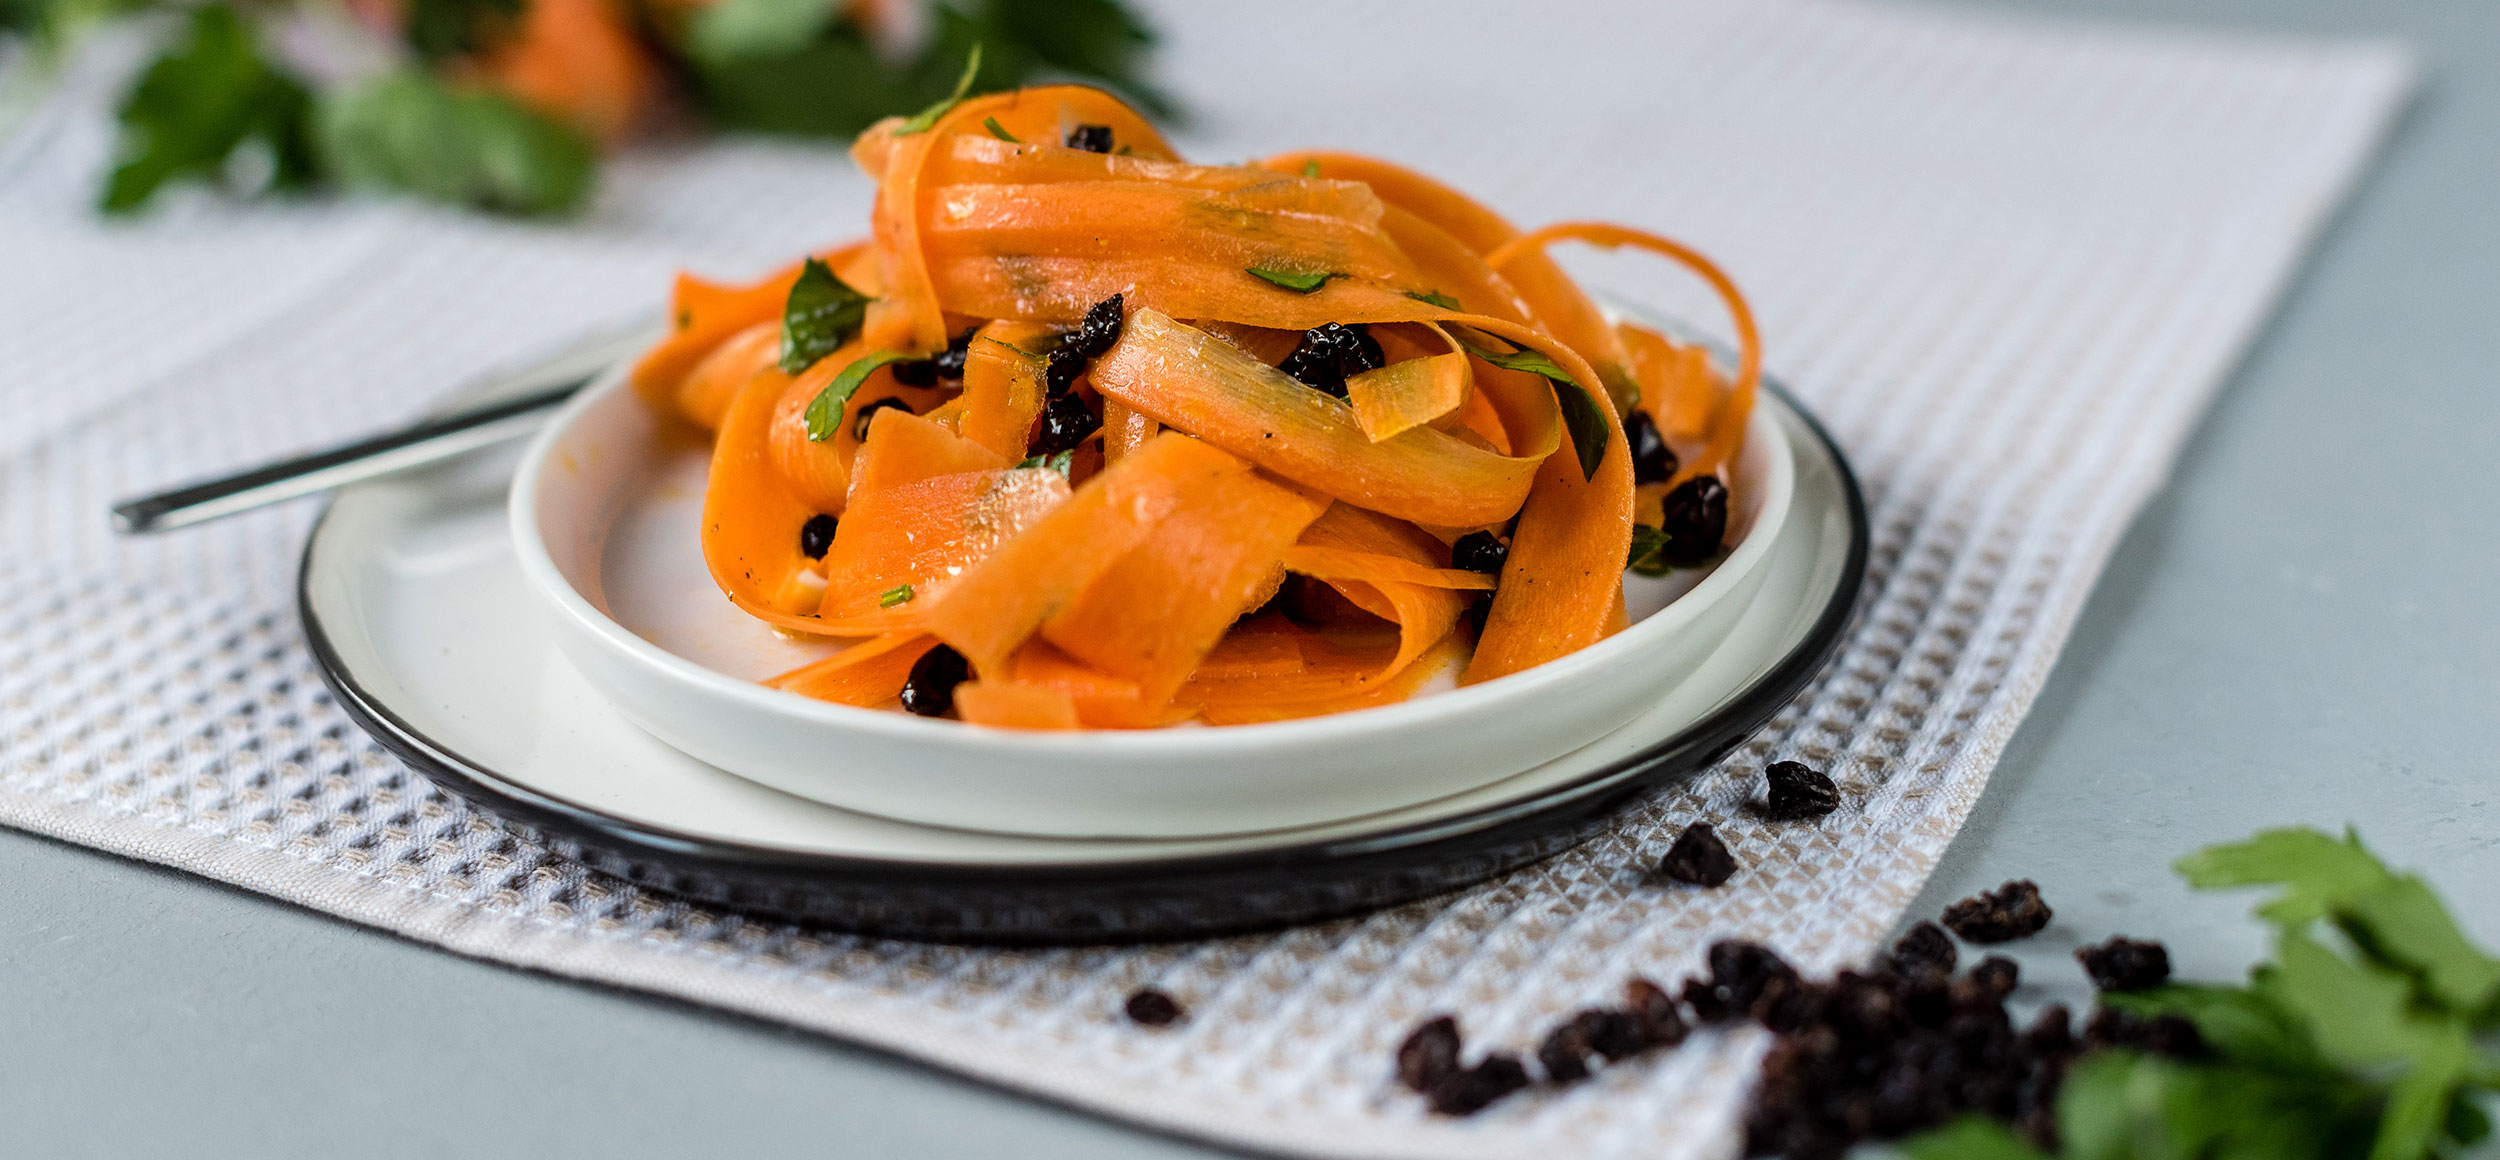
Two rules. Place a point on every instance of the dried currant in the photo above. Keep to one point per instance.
(1787, 1004)
(2169, 1035)
(1153, 1008)
(1090, 138)
(930, 689)
(1694, 517)
(1064, 367)
(816, 535)
(1614, 1035)
(1708, 1005)
(2125, 964)
(1479, 552)
(950, 362)
(1926, 948)
(1065, 423)
(1997, 976)
(2052, 1031)
(1652, 460)
(1565, 1053)
(1429, 1054)
(1654, 1013)
(859, 422)
(2004, 914)
(1327, 354)
(914, 372)
(1466, 1091)
(1698, 857)
(1799, 791)
(1101, 328)
(1742, 972)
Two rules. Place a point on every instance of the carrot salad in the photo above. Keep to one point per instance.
(1087, 436)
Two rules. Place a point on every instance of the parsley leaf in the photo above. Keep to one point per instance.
(821, 314)
(2361, 1046)
(2361, 1014)
(1061, 462)
(2393, 918)
(834, 86)
(2240, 1023)
(1100, 39)
(919, 122)
(1434, 298)
(2403, 923)
(1310, 168)
(999, 131)
(899, 594)
(2418, 1105)
(1294, 280)
(2319, 870)
(733, 29)
(1581, 416)
(824, 412)
(447, 28)
(409, 131)
(1647, 542)
(1971, 1138)
(202, 102)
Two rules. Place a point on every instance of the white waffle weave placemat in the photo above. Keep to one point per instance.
(2006, 261)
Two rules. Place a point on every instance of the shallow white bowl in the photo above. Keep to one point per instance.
(578, 510)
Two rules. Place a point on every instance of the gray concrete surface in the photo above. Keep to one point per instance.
(2300, 630)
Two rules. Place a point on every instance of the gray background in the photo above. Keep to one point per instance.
(2298, 630)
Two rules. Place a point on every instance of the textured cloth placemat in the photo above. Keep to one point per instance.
(2006, 261)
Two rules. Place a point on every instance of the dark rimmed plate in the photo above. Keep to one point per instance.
(416, 615)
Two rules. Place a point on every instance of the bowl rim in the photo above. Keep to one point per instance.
(549, 585)
(1584, 799)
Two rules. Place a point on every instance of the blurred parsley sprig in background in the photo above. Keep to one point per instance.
(505, 105)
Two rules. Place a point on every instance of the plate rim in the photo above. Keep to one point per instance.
(1431, 840)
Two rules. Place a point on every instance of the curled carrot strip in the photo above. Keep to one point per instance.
(1187, 379)
(1147, 440)
(997, 604)
(871, 672)
(1727, 424)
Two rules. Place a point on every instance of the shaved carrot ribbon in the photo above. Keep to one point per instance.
(1123, 579)
(999, 603)
(871, 672)
(1185, 378)
(1726, 432)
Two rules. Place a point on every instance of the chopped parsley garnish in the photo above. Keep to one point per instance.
(1434, 298)
(824, 413)
(1647, 543)
(1296, 281)
(899, 594)
(822, 313)
(1580, 412)
(1061, 462)
(919, 122)
(999, 131)
(1310, 168)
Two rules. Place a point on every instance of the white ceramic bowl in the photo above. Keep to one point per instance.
(597, 455)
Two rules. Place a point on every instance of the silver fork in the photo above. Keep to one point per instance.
(516, 404)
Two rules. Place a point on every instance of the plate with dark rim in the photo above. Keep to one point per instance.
(416, 612)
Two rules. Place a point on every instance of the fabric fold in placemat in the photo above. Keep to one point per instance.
(2006, 261)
